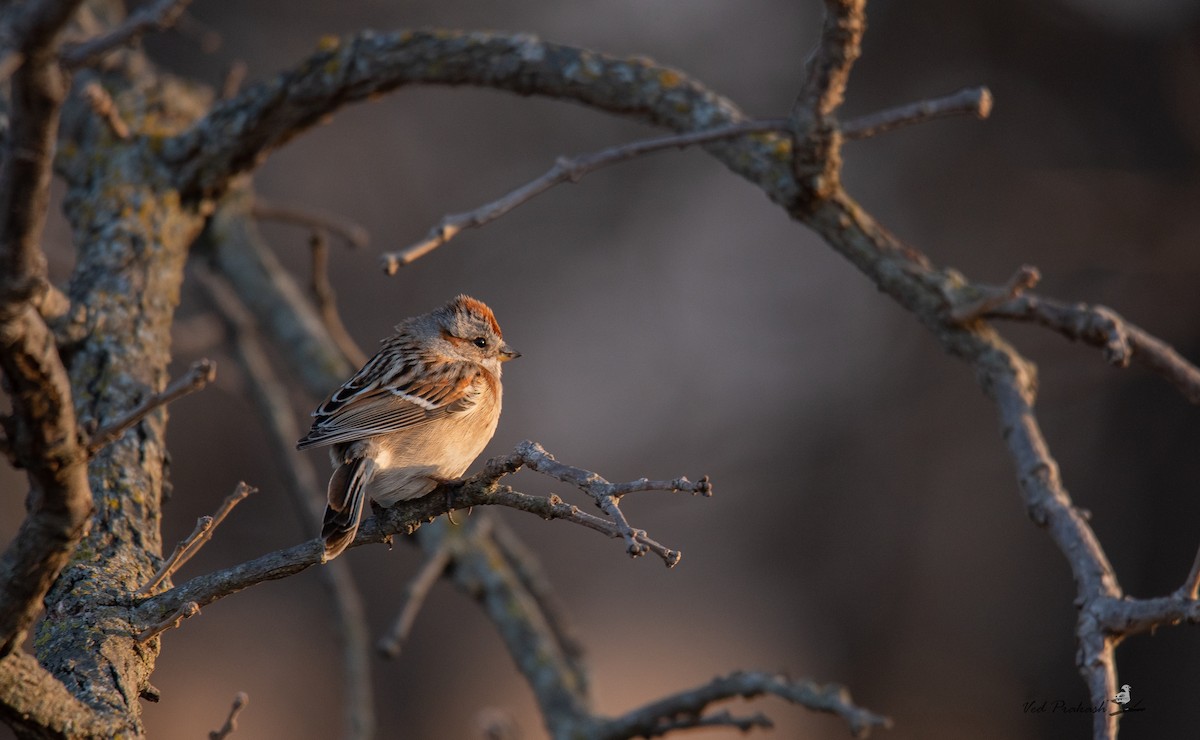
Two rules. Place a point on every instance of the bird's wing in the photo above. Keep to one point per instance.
(372, 403)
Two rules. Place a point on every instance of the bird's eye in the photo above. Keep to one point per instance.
(480, 342)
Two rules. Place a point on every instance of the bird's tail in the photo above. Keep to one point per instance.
(347, 494)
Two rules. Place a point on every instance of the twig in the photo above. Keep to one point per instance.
(415, 592)
(354, 234)
(160, 15)
(272, 296)
(326, 300)
(686, 709)
(1121, 340)
(103, 106)
(1024, 279)
(976, 101)
(191, 544)
(171, 621)
(199, 375)
(565, 170)
(234, 78)
(1191, 585)
(240, 700)
(607, 495)
(273, 405)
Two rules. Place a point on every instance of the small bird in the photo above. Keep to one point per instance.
(416, 415)
(1122, 696)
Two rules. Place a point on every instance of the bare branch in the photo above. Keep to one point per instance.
(481, 489)
(686, 709)
(986, 298)
(1121, 340)
(41, 433)
(496, 576)
(1191, 585)
(975, 101)
(415, 592)
(277, 303)
(314, 219)
(828, 68)
(199, 375)
(238, 134)
(172, 563)
(36, 704)
(103, 106)
(234, 78)
(565, 170)
(268, 392)
(190, 545)
(326, 301)
(171, 621)
(159, 15)
(240, 700)
(528, 572)
(724, 718)
(817, 161)
(607, 495)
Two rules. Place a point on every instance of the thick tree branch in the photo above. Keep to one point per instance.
(817, 159)
(41, 433)
(239, 132)
(34, 702)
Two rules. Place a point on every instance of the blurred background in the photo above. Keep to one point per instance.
(866, 527)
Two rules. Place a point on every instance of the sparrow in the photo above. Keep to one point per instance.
(417, 414)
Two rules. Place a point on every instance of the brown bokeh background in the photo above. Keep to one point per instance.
(866, 527)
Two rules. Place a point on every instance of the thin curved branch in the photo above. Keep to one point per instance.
(564, 170)
(686, 709)
(1099, 326)
(199, 375)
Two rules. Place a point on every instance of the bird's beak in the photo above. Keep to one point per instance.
(508, 353)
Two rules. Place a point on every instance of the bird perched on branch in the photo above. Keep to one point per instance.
(416, 415)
